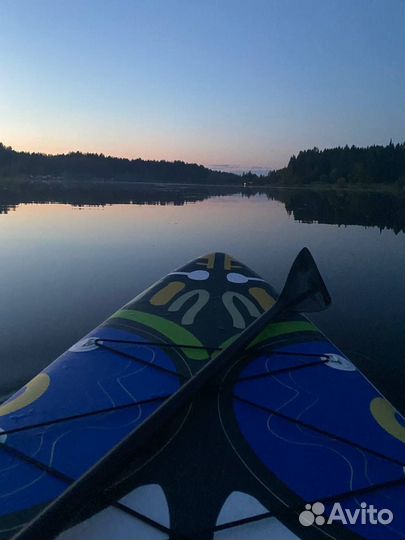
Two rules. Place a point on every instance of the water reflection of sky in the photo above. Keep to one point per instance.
(64, 269)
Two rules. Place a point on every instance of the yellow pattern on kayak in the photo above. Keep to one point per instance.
(162, 297)
(262, 297)
(31, 392)
(384, 414)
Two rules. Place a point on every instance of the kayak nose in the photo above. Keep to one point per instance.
(218, 265)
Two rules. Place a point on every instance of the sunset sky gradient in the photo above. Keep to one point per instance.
(231, 84)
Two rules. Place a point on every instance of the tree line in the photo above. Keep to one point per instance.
(337, 166)
(340, 166)
(80, 166)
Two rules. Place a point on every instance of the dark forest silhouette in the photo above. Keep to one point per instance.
(341, 166)
(79, 166)
(334, 166)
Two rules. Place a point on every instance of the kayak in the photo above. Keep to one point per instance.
(287, 440)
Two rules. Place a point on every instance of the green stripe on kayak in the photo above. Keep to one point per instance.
(276, 329)
(176, 333)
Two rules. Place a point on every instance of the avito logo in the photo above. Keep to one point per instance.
(366, 514)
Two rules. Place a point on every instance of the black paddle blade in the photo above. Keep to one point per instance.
(304, 290)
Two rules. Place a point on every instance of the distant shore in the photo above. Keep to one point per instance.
(378, 188)
(10, 185)
(371, 169)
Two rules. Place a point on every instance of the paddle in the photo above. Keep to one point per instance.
(304, 291)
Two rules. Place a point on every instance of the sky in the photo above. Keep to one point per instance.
(231, 84)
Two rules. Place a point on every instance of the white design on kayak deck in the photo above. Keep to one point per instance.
(114, 524)
(339, 362)
(194, 275)
(238, 320)
(149, 500)
(203, 297)
(240, 506)
(234, 277)
(85, 345)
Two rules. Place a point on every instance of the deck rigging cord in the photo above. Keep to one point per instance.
(163, 397)
(137, 403)
(319, 430)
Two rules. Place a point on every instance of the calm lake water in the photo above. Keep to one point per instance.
(64, 267)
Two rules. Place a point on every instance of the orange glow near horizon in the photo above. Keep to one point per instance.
(147, 150)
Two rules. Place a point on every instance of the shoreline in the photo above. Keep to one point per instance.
(367, 188)
(10, 185)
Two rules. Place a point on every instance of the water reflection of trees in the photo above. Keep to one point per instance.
(107, 193)
(369, 209)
